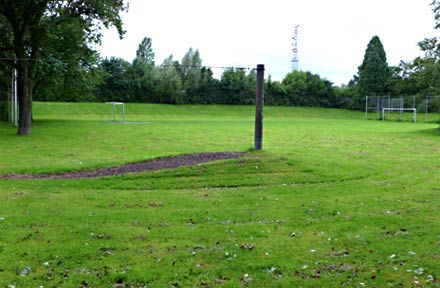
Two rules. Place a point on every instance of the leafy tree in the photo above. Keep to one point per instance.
(170, 87)
(25, 25)
(347, 97)
(251, 84)
(145, 53)
(208, 90)
(5, 69)
(143, 72)
(295, 87)
(319, 92)
(374, 72)
(274, 93)
(235, 88)
(306, 89)
(116, 84)
(191, 74)
(68, 69)
(5, 83)
(424, 72)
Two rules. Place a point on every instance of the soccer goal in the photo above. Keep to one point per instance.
(398, 106)
(400, 111)
(114, 111)
(387, 108)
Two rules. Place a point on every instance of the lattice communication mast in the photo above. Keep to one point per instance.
(295, 61)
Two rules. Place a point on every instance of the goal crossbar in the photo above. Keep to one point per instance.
(114, 104)
(414, 110)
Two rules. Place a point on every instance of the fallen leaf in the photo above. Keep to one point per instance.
(246, 279)
(245, 246)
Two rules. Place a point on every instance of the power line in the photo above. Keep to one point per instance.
(206, 66)
(161, 65)
(36, 60)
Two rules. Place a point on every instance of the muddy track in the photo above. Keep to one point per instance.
(149, 165)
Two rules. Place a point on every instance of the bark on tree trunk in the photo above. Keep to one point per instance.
(24, 91)
(25, 104)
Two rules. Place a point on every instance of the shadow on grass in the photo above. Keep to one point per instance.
(427, 132)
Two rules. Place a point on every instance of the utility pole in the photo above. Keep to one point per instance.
(259, 102)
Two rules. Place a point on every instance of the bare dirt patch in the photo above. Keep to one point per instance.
(149, 165)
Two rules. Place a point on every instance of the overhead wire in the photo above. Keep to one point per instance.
(161, 65)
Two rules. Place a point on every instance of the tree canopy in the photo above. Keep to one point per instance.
(51, 44)
(30, 33)
(374, 71)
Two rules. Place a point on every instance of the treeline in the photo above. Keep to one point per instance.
(174, 82)
(55, 58)
(189, 82)
(90, 78)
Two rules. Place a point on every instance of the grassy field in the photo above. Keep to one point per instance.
(332, 200)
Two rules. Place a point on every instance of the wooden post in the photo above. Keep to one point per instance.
(259, 102)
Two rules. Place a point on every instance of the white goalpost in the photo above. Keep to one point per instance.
(398, 105)
(13, 101)
(384, 106)
(113, 115)
(400, 110)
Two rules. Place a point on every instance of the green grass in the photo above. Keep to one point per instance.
(333, 200)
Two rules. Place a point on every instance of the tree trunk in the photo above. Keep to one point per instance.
(24, 17)
(24, 101)
(24, 91)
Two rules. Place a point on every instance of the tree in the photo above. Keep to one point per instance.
(144, 53)
(170, 88)
(191, 74)
(424, 71)
(143, 72)
(68, 67)
(237, 87)
(274, 93)
(421, 76)
(208, 87)
(5, 86)
(307, 89)
(374, 71)
(116, 85)
(25, 24)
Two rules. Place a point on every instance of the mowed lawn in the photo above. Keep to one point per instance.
(332, 200)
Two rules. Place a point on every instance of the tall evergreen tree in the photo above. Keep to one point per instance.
(374, 71)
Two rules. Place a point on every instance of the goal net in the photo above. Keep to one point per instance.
(387, 108)
(117, 112)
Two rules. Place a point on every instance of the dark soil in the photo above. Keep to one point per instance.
(149, 165)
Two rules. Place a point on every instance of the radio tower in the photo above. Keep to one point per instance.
(295, 66)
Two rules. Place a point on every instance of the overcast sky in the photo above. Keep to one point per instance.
(333, 34)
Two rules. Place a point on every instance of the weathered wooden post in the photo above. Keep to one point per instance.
(259, 102)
